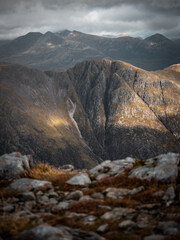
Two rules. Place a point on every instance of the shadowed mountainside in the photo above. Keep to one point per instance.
(98, 109)
(60, 51)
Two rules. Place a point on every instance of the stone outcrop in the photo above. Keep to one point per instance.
(13, 165)
(161, 168)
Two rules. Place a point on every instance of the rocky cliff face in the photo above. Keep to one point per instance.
(98, 109)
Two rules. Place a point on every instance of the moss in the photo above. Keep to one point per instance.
(139, 163)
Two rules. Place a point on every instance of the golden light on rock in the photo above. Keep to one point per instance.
(57, 121)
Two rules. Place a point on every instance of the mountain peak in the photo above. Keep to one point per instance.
(157, 38)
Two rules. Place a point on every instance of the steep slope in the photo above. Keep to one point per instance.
(37, 117)
(131, 111)
(98, 109)
(60, 51)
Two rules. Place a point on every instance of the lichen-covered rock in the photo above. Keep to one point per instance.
(14, 164)
(27, 184)
(111, 168)
(81, 179)
(161, 168)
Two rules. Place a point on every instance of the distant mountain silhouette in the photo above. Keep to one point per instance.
(62, 50)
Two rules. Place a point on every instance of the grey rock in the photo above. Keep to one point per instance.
(39, 193)
(117, 213)
(14, 164)
(63, 205)
(43, 200)
(164, 173)
(111, 168)
(169, 195)
(75, 216)
(27, 184)
(169, 227)
(53, 201)
(67, 167)
(8, 208)
(127, 224)
(14, 200)
(154, 237)
(137, 190)
(27, 196)
(52, 194)
(97, 195)
(29, 205)
(89, 220)
(103, 228)
(158, 194)
(108, 208)
(166, 159)
(81, 179)
(86, 198)
(45, 232)
(76, 195)
(116, 193)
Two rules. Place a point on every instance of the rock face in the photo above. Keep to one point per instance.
(96, 110)
(67, 48)
(14, 164)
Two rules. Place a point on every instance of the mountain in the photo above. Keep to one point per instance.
(100, 109)
(62, 50)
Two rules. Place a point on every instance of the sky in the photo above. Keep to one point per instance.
(137, 18)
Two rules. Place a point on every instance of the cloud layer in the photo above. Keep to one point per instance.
(131, 17)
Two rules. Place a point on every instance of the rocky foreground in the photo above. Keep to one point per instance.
(121, 199)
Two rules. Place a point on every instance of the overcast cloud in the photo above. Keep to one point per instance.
(101, 17)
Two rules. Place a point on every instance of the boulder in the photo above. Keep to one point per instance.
(117, 213)
(116, 193)
(76, 195)
(14, 164)
(82, 179)
(162, 168)
(127, 224)
(45, 232)
(89, 220)
(112, 168)
(28, 184)
(103, 228)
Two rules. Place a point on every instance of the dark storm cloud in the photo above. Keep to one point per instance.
(132, 17)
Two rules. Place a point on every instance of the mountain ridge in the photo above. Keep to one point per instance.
(62, 50)
(118, 109)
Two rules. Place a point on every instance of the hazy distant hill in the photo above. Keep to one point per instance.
(98, 109)
(60, 51)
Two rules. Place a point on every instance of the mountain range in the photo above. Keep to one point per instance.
(99, 109)
(60, 51)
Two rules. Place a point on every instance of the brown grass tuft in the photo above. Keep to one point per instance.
(11, 226)
(52, 174)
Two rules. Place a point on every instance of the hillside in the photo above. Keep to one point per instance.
(60, 51)
(97, 110)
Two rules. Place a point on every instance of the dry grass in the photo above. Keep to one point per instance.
(11, 226)
(52, 174)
